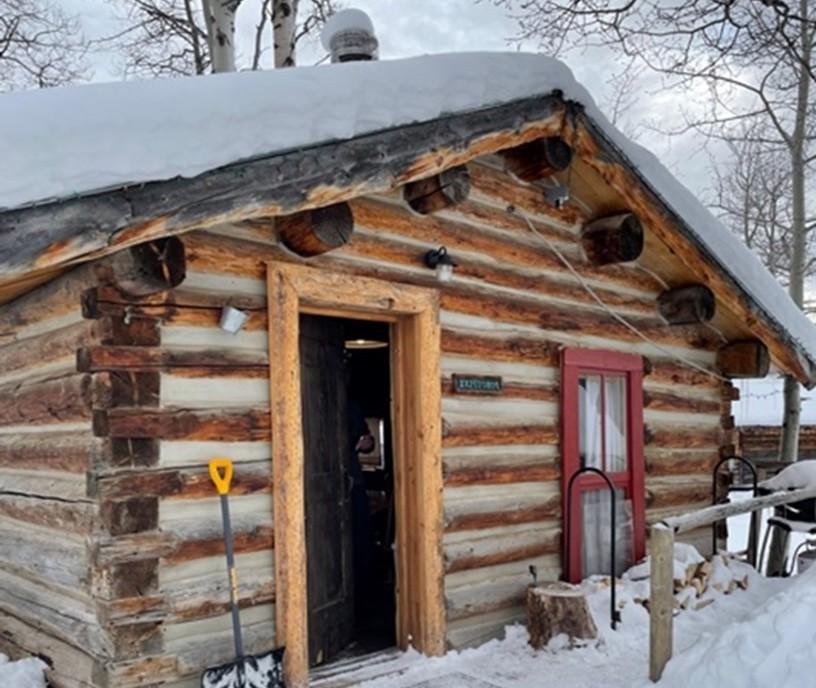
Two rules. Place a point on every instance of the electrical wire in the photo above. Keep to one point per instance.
(623, 321)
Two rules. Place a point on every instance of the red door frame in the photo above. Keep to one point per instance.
(574, 362)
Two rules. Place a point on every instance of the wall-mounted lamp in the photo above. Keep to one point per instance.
(233, 319)
(439, 259)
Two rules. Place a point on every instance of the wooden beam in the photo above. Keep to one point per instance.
(687, 305)
(279, 184)
(312, 232)
(538, 159)
(438, 192)
(744, 359)
(613, 239)
(661, 599)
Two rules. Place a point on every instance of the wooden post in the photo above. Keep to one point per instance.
(538, 159)
(443, 190)
(687, 305)
(312, 232)
(613, 239)
(661, 600)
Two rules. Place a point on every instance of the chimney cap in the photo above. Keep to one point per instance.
(345, 20)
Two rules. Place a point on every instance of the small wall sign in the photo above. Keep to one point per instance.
(477, 384)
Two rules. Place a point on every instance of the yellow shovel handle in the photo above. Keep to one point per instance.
(221, 474)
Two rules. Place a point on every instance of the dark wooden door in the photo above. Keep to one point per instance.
(327, 457)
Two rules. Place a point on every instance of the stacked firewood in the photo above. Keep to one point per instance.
(694, 580)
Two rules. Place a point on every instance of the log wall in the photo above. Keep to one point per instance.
(158, 389)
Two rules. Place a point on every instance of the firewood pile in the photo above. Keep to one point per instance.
(693, 579)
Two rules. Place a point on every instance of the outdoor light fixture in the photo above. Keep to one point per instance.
(233, 319)
(365, 344)
(439, 259)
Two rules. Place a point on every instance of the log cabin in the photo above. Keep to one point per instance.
(456, 255)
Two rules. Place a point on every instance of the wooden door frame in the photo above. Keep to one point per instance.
(415, 363)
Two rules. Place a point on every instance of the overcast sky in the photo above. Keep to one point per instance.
(414, 27)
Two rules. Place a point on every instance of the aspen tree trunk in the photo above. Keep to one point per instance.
(789, 444)
(284, 24)
(220, 18)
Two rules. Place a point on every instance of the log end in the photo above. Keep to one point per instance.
(314, 232)
(443, 190)
(538, 159)
(614, 239)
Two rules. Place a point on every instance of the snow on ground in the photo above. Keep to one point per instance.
(62, 142)
(24, 673)
(725, 636)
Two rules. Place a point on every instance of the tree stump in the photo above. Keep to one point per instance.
(558, 608)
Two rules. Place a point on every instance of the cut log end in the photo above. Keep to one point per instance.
(538, 159)
(317, 231)
(744, 359)
(147, 268)
(558, 608)
(613, 239)
(689, 305)
(443, 190)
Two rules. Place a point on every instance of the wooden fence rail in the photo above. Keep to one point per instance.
(661, 550)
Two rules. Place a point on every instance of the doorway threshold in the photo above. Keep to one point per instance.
(344, 673)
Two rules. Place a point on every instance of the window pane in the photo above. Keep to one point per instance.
(615, 407)
(596, 531)
(589, 421)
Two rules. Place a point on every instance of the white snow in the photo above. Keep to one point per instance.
(763, 637)
(62, 142)
(24, 673)
(345, 20)
(757, 638)
(798, 475)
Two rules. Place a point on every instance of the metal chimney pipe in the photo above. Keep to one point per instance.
(349, 37)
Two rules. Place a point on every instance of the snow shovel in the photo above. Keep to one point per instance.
(246, 671)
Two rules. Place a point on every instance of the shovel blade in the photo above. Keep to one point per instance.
(258, 671)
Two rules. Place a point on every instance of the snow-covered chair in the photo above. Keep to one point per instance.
(797, 517)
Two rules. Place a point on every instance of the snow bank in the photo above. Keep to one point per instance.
(25, 673)
(775, 646)
(798, 475)
(62, 142)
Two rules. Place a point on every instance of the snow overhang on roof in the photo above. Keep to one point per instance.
(88, 158)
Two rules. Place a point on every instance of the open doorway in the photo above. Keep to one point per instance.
(348, 486)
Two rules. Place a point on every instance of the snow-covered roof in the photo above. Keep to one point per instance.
(65, 142)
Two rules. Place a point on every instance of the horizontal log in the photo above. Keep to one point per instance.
(93, 359)
(675, 373)
(507, 249)
(447, 188)
(59, 400)
(499, 188)
(73, 452)
(183, 484)
(498, 435)
(704, 517)
(511, 349)
(258, 538)
(507, 556)
(676, 495)
(180, 424)
(273, 185)
(492, 519)
(666, 401)
(682, 438)
(43, 556)
(500, 475)
(60, 516)
(681, 463)
(48, 350)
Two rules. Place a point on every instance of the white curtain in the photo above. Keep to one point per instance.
(589, 421)
(615, 424)
(596, 532)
